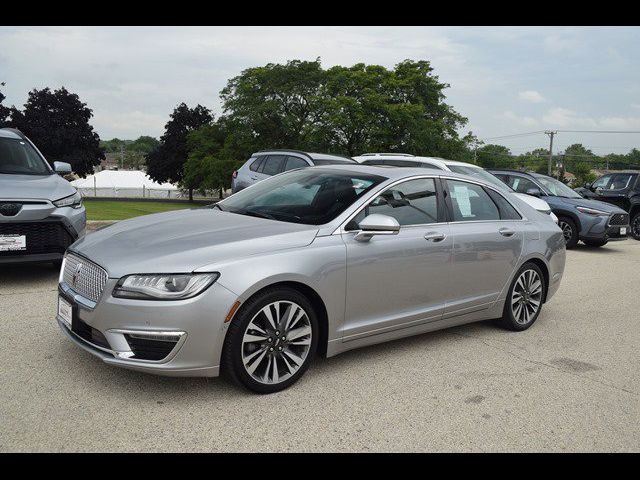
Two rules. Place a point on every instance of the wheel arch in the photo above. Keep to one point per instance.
(539, 262)
(566, 213)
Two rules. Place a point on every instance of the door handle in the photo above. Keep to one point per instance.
(434, 237)
(506, 232)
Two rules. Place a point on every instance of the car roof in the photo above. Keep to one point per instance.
(309, 155)
(441, 162)
(395, 173)
(9, 133)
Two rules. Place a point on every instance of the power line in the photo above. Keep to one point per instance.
(515, 135)
(599, 131)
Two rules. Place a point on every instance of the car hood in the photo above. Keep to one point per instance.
(34, 187)
(597, 204)
(183, 240)
(533, 202)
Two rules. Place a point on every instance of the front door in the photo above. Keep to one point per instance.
(398, 280)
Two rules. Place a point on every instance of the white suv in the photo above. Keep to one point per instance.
(408, 160)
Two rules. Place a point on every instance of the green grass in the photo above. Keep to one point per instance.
(121, 210)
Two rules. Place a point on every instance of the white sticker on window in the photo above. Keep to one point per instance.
(461, 194)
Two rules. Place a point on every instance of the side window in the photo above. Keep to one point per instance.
(294, 162)
(621, 181)
(602, 182)
(507, 211)
(430, 165)
(255, 166)
(470, 202)
(521, 184)
(413, 202)
(273, 164)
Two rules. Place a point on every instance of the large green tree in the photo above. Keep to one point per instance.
(579, 160)
(495, 156)
(58, 123)
(348, 110)
(4, 111)
(165, 163)
(208, 165)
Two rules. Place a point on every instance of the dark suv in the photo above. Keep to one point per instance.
(267, 163)
(621, 189)
(592, 221)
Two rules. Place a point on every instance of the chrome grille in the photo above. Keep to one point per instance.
(84, 277)
(619, 219)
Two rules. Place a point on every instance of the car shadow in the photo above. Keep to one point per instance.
(27, 274)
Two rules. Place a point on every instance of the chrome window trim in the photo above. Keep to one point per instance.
(340, 229)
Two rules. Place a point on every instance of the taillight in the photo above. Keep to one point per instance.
(234, 174)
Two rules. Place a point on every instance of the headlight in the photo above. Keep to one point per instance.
(73, 201)
(164, 286)
(592, 211)
(553, 216)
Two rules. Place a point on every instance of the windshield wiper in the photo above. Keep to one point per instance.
(254, 213)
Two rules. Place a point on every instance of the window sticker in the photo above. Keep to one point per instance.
(461, 194)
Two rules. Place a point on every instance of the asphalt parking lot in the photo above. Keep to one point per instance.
(570, 383)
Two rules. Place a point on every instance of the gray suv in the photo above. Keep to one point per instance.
(41, 214)
(267, 163)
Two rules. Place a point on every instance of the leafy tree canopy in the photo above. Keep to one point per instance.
(165, 163)
(58, 123)
(4, 111)
(495, 156)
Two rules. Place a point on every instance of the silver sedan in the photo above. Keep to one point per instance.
(318, 260)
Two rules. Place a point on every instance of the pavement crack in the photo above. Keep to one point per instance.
(544, 364)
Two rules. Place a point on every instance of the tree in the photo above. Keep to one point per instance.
(208, 166)
(4, 111)
(346, 110)
(495, 156)
(143, 144)
(275, 106)
(578, 160)
(165, 163)
(58, 123)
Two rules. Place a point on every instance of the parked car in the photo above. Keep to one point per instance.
(41, 214)
(267, 163)
(317, 259)
(408, 160)
(592, 221)
(621, 189)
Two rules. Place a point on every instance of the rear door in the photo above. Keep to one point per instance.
(616, 190)
(487, 243)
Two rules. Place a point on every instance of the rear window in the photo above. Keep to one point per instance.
(255, 166)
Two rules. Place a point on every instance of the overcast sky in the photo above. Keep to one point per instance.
(505, 80)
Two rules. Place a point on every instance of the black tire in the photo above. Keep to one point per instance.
(567, 224)
(595, 243)
(635, 225)
(232, 355)
(508, 319)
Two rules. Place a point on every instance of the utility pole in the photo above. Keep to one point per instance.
(551, 133)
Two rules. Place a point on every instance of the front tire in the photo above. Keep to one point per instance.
(569, 230)
(635, 225)
(524, 299)
(271, 340)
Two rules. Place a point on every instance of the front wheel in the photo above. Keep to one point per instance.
(271, 340)
(569, 230)
(524, 300)
(635, 226)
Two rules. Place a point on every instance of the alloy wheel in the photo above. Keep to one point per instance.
(276, 342)
(567, 230)
(526, 297)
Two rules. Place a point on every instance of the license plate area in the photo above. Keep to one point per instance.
(13, 242)
(65, 311)
(623, 230)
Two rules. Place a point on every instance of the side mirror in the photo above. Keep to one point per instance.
(534, 192)
(376, 224)
(62, 168)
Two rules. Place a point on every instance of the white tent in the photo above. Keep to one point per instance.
(124, 183)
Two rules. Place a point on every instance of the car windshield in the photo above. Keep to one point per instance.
(309, 196)
(556, 187)
(481, 174)
(20, 158)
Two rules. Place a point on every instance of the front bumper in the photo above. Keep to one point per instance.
(606, 228)
(194, 326)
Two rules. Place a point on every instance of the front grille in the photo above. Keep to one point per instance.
(147, 349)
(41, 237)
(84, 276)
(619, 219)
(90, 334)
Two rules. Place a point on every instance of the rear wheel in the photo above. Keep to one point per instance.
(635, 225)
(595, 243)
(569, 230)
(271, 340)
(524, 300)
